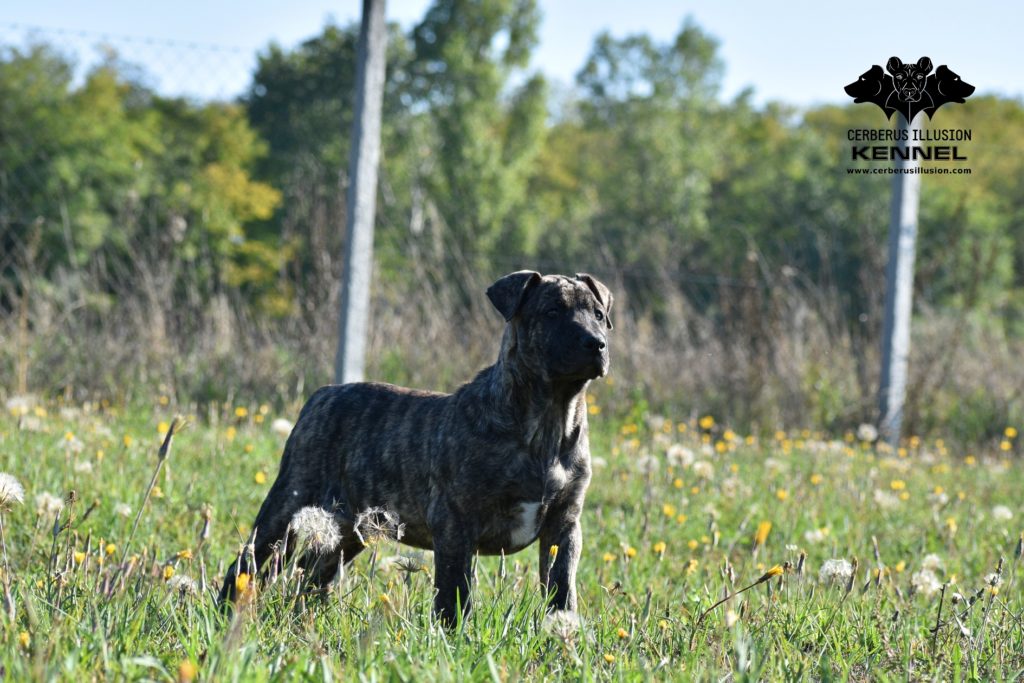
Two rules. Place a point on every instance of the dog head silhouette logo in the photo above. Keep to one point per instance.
(909, 88)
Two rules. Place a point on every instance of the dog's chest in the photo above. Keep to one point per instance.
(516, 522)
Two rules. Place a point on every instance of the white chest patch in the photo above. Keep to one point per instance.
(526, 527)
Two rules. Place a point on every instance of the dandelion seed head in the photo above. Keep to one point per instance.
(931, 561)
(835, 571)
(867, 432)
(11, 491)
(561, 624)
(48, 505)
(179, 583)
(281, 426)
(648, 464)
(378, 524)
(702, 469)
(926, 582)
(1001, 513)
(316, 529)
(123, 510)
(679, 456)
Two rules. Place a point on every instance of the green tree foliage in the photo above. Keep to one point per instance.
(488, 136)
(107, 174)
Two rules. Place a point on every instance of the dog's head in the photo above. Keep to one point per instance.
(909, 79)
(869, 85)
(557, 325)
(949, 87)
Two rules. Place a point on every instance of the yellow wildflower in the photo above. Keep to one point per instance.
(260, 477)
(706, 422)
(622, 633)
(241, 411)
(761, 535)
(669, 510)
(187, 671)
(168, 572)
(659, 547)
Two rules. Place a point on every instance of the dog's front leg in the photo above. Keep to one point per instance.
(454, 545)
(558, 567)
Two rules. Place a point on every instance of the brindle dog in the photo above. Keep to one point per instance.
(503, 461)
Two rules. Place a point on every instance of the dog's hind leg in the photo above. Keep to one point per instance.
(270, 527)
(322, 569)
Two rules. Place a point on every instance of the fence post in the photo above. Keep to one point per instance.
(362, 195)
(899, 288)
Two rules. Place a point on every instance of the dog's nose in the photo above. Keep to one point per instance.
(592, 343)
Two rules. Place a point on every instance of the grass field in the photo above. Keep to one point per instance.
(679, 514)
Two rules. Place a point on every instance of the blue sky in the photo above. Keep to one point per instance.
(798, 52)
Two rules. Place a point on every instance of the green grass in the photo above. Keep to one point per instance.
(79, 614)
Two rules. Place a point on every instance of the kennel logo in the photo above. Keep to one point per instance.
(909, 88)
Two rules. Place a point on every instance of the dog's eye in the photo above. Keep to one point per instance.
(598, 314)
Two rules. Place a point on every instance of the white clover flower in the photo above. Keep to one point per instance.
(316, 529)
(1001, 513)
(10, 491)
(281, 426)
(867, 432)
(48, 505)
(925, 582)
(835, 572)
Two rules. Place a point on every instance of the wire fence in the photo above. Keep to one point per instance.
(172, 68)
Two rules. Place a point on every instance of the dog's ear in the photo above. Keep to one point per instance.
(507, 293)
(894, 64)
(603, 294)
(924, 64)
